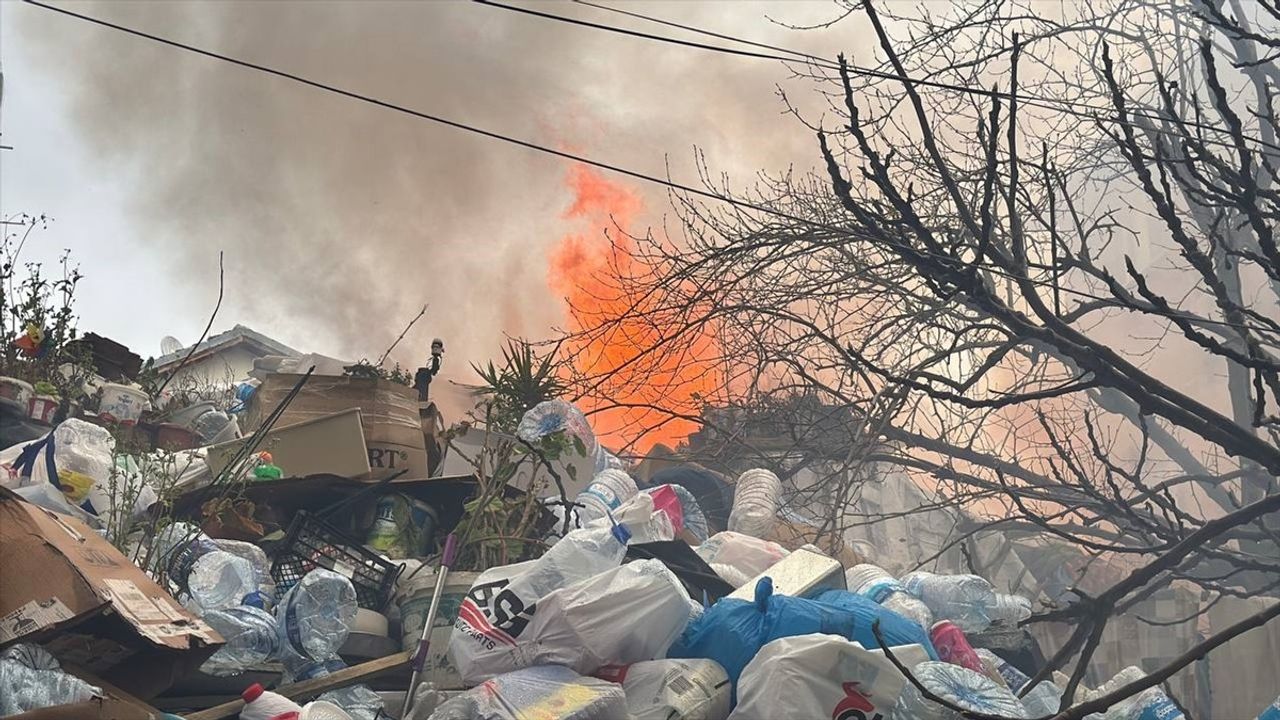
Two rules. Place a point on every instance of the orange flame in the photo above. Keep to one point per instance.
(640, 388)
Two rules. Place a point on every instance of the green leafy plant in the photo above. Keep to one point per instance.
(369, 371)
(522, 381)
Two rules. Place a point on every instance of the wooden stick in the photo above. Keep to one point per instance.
(315, 686)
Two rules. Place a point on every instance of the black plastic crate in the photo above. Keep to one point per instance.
(313, 543)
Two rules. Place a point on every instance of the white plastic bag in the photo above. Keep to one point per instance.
(674, 689)
(537, 693)
(822, 676)
(631, 613)
(645, 523)
(749, 555)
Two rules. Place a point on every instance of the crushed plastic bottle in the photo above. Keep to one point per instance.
(1041, 701)
(1009, 609)
(963, 599)
(577, 556)
(607, 491)
(756, 498)
(959, 686)
(215, 579)
(358, 701)
(553, 416)
(876, 584)
(1150, 704)
(1271, 712)
(251, 635)
(262, 580)
(30, 679)
(317, 614)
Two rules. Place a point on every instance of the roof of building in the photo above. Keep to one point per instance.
(238, 335)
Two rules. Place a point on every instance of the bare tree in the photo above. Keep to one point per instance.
(1038, 270)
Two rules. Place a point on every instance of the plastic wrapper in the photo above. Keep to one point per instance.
(822, 676)
(750, 555)
(537, 693)
(959, 686)
(667, 689)
(30, 679)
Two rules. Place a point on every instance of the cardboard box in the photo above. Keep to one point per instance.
(330, 445)
(66, 588)
(107, 708)
(388, 413)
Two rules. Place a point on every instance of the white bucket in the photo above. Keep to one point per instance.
(413, 611)
(122, 403)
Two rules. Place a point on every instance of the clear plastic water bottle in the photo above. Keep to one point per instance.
(1009, 609)
(30, 679)
(1150, 704)
(756, 498)
(962, 599)
(1044, 698)
(579, 555)
(317, 614)
(876, 584)
(959, 686)
(358, 701)
(262, 580)
(552, 416)
(216, 579)
(607, 491)
(252, 638)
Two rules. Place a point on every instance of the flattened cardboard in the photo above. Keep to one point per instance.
(65, 587)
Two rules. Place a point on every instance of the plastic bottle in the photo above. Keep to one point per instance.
(962, 599)
(607, 491)
(958, 685)
(215, 578)
(262, 704)
(756, 498)
(262, 579)
(1150, 704)
(1044, 698)
(30, 679)
(1271, 712)
(579, 555)
(875, 583)
(1009, 609)
(252, 638)
(317, 614)
(552, 416)
(358, 701)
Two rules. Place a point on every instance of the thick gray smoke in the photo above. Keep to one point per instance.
(340, 219)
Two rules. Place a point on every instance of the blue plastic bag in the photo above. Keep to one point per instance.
(895, 629)
(732, 631)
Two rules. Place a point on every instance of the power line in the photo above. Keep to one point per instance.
(1089, 112)
(995, 270)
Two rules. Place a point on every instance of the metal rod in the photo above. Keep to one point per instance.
(424, 642)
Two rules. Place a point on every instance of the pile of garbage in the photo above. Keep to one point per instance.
(641, 606)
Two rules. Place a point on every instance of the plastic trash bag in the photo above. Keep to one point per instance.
(30, 679)
(821, 676)
(896, 629)
(692, 517)
(645, 523)
(620, 616)
(732, 631)
(673, 689)
(537, 693)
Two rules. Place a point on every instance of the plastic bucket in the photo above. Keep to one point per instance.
(122, 404)
(413, 612)
(402, 526)
(19, 391)
(41, 408)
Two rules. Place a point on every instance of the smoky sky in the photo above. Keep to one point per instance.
(338, 219)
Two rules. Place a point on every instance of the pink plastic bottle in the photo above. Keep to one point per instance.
(262, 705)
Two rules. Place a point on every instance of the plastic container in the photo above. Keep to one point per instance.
(312, 543)
(608, 490)
(251, 635)
(122, 403)
(316, 615)
(42, 408)
(262, 704)
(1271, 712)
(261, 569)
(1150, 704)
(19, 391)
(413, 612)
(30, 679)
(323, 710)
(553, 416)
(875, 583)
(958, 685)
(579, 555)
(692, 518)
(402, 527)
(756, 498)
(953, 647)
(215, 579)
(357, 701)
(963, 599)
